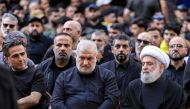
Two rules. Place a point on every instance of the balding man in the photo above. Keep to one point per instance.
(74, 29)
(177, 52)
(152, 90)
(85, 86)
(143, 39)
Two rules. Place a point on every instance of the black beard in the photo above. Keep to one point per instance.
(121, 58)
(35, 35)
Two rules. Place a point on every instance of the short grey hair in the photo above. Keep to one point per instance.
(85, 45)
(100, 33)
(11, 16)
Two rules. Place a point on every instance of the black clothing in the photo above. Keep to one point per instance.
(107, 56)
(97, 90)
(161, 94)
(28, 81)
(49, 53)
(144, 8)
(123, 73)
(175, 75)
(36, 49)
(186, 81)
(7, 90)
(133, 56)
(51, 71)
(90, 28)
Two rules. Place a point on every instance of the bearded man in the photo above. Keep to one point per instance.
(177, 51)
(86, 86)
(152, 91)
(37, 43)
(124, 68)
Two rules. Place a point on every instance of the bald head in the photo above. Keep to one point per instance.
(74, 29)
(74, 25)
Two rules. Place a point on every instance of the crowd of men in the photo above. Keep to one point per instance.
(95, 54)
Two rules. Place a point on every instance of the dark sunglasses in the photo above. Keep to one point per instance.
(144, 41)
(10, 25)
(176, 45)
(98, 40)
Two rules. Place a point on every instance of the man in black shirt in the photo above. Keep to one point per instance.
(152, 90)
(177, 51)
(62, 60)
(124, 68)
(85, 86)
(28, 80)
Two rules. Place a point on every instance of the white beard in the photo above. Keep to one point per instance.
(151, 76)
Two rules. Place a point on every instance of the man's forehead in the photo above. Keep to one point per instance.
(8, 20)
(117, 41)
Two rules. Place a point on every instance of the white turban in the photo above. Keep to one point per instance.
(157, 53)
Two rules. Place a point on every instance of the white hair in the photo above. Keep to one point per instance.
(85, 45)
(11, 16)
(153, 75)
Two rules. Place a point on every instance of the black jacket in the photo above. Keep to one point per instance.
(125, 74)
(97, 90)
(51, 71)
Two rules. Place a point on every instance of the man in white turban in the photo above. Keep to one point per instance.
(152, 91)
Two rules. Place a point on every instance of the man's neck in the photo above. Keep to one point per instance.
(178, 63)
(61, 63)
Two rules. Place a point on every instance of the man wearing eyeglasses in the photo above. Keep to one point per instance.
(9, 23)
(142, 40)
(177, 51)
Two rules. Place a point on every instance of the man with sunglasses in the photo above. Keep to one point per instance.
(9, 23)
(142, 40)
(177, 51)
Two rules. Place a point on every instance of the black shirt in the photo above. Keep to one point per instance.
(175, 74)
(51, 71)
(161, 94)
(27, 81)
(7, 90)
(97, 90)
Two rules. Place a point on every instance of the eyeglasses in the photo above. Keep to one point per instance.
(176, 45)
(10, 25)
(144, 41)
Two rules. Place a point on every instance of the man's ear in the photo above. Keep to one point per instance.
(162, 67)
